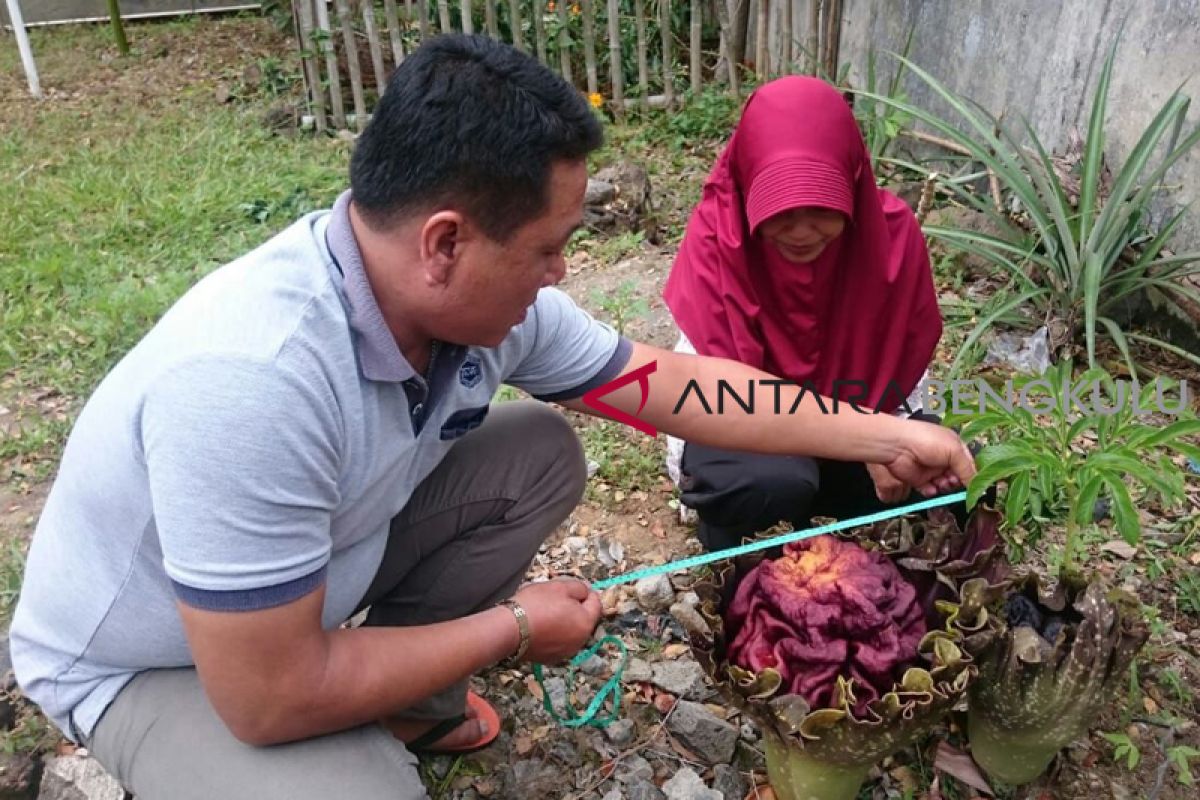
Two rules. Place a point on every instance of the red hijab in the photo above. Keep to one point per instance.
(864, 310)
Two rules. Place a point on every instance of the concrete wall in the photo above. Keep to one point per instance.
(1041, 58)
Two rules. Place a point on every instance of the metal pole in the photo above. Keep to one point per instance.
(18, 22)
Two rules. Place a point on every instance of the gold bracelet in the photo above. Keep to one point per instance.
(522, 625)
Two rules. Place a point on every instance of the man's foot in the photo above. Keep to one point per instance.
(476, 727)
(467, 733)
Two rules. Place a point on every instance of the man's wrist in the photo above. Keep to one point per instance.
(523, 630)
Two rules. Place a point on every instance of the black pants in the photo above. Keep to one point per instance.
(738, 494)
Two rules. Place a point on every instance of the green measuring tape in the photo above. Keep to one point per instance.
(612, 686)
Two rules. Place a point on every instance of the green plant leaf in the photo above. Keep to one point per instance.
(1123, 512)
(1093, 271)
(1176, 430)
(1085, 500)
(992, 473)
(1127, 465)
(1170, 348)
(1094, 148)
(1118, 337)
(1016, 499)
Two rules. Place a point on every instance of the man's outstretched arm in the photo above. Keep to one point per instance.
(927, 457)
(274, 675)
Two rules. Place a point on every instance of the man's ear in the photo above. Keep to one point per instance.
(442, 238)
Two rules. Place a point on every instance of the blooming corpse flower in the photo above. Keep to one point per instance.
(843, 656)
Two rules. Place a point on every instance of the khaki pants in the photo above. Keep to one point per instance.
(463, 543)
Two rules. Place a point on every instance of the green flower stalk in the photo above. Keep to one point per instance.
(831, 652)
(1064, 652)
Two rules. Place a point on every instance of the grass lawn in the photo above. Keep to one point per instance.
(124, 198)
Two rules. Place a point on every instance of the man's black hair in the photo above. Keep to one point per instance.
(474, 124)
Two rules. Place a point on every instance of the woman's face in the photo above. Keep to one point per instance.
(801, 234)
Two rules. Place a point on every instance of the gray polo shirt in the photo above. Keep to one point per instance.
(256, 443)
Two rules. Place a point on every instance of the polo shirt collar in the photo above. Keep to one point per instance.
(379, 356)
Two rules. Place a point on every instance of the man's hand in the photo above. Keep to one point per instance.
(563, 613)
(933, 459)
(888, 488)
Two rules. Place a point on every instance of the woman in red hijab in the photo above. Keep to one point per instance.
(795, 262)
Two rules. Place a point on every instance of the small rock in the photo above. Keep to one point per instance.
(643, 790)
(702, 732)
(594, 666)
(556, 690)
(638, 671)
(684, 679)
(690, 599)
(749, 732)
(533, 778)
(614, 794)
(625, 606)
(576, 545)
(632, 769)
(655, 594)
(592, 468)
(620, 733)
(78, 777)
(729, 782)
(599, 192)
(687, 785)
(690, 619)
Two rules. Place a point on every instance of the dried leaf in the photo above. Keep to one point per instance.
(664, 702)
(960, 766)
(523, 744)
(675, 650)
(534, 689)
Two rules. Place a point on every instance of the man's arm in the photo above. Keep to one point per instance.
(275, 676)
(928, 457)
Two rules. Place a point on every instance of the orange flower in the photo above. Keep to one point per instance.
(551, 7)
(596, 100)
(575, 9)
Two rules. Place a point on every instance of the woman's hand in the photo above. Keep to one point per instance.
(933, 459)
(888, 488)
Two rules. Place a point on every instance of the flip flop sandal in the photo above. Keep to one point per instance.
(485, 713)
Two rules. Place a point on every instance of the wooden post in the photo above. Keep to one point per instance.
(393, 23)
(331, 66)
(356, 83)
(697, 29)
(564, 41)
(514, 9)
(539, 29)
(643, 66)
(668, 56)
(468, 17)
(489, 17)
(423, 12)
(368, 11)
(444, 16)
(788, 37)
(727, 44)
(614, 58)
(760, 42)
(833, 37)
(814, 33)
(312, 74)
(589, 45)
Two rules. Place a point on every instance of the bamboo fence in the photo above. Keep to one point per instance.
(625, 55)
